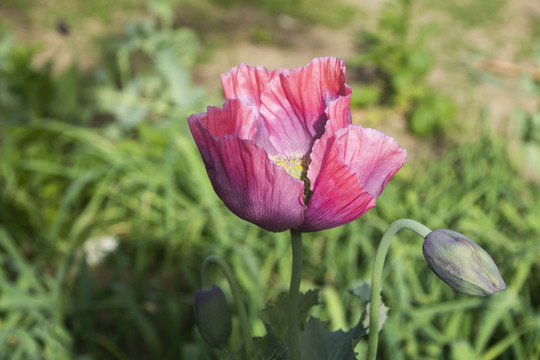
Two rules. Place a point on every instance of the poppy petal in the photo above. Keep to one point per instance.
(339, 117)
(235, 118)
(248, 182)
(374, 156)
(346, 186)
(247, 82)
(293, 104)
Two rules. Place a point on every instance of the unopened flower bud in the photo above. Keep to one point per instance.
(461, 263)
(213, 316)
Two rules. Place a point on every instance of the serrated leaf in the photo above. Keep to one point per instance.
(269, 346)
(383, 312)
(274, 315)
(305, 302)
(362, 291)
(319, 343)
(316, 341)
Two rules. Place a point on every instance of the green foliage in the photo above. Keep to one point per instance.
(431, 113)
(396, 58)
(528, 124)
(363, 96)
(151, 66)
(319, 343)
(316, 341)
(62, 185)
(54, 203)
(363, 291)
(110, 154)
(30, 309)
(472, 188)
(28, 92)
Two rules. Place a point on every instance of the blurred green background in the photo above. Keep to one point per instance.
(106, 212)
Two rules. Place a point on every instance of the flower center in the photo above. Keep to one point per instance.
(294, 165)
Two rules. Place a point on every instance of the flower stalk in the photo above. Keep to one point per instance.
(376, 277)
(294, 289)
(237, 294)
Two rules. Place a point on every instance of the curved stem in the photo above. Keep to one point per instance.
(376, 277)
(237, 294)
(294, 289)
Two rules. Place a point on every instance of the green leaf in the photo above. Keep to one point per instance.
(383, 314)
(318, 343)
(275, 317)
(269, 346)
(463, 350)
(363, 291)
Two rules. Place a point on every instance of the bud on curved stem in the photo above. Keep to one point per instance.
(213, 316)
(456, 259)
(461, 263)
(212, 296)
(376, 277)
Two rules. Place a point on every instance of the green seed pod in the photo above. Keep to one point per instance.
(213, 316)
(461, 263)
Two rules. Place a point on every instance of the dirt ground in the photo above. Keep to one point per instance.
(495, 46)
(495, 49)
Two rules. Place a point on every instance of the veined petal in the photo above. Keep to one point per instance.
(235, 118)
(294, 119)
(339, 117)
(338, 197)
(247, 82)
(249, 184)
(339, 114)
(374, 156)
(355, 167)
(293, 104)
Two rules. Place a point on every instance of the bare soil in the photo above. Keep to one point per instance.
(232, 35)
(460, 51)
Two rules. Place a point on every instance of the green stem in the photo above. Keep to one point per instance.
(237, 294)
(376, 277)
(294, 289)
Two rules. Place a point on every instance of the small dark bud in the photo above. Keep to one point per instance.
(462, 264)
(213, 316)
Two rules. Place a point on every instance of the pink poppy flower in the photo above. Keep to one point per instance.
(282, 152)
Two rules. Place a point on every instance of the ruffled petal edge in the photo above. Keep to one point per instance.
(293, 104)
(356, 165)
